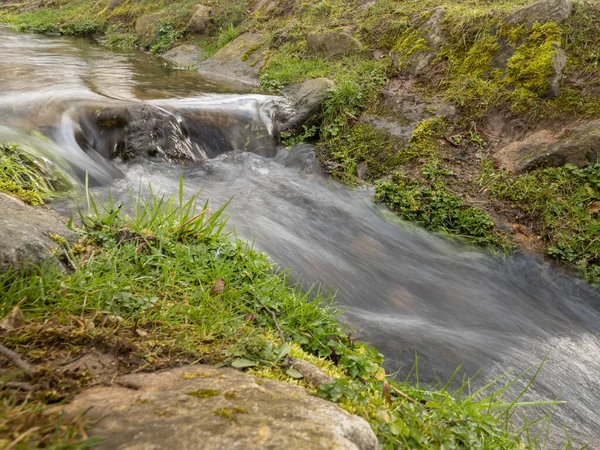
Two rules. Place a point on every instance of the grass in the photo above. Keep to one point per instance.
(565, 201)
(158, 271)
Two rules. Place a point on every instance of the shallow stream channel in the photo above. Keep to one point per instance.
(404, 290)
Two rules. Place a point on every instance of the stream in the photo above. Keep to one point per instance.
(403, 290)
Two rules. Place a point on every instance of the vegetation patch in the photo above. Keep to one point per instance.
(166, 286)
(27, 178)
(432, 206)
(566, 201)
(531, 65)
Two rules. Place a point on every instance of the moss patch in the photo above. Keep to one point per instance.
(531, 65)
(203, 393)
(26, 177)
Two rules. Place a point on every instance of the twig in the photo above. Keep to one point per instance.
(281, 336)
(16, 385)
(194, 218)
(402, 394)
(17, 361)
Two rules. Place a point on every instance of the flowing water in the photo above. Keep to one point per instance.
(405, 290)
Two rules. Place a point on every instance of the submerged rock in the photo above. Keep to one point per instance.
(200, 19)
(184, 56)
(205, 407)
(239, 62)
(580, 146)
(332, 44)
(306, 100)
(26, 234)
(542, 12)
(134, 131)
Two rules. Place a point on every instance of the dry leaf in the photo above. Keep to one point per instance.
(218, 287)
(250, 317)
(594, 208)
(141, 333)
(13, 320)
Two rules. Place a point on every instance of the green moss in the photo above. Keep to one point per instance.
(424, 140)
(478, 61)
(26, 177)
(229, 413)
(513, 34)
(410, 43)
(203, 393)
(531, 65)
(379, 150)
(248, 53)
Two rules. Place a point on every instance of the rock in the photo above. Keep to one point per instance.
(266, 8)
(581, 146)
(183, 56)
(241, 60)
(406, 109)
(200, 19)
(306, 100)
(26, 232)
(114, 4)
(215, 409)
(145, 26)
(542, 12)
(332, 44)
(433, 32)
(559, 62)
(135, 131)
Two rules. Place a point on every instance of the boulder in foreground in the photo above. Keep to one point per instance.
(205, 407)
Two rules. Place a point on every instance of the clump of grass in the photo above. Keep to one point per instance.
(27, 178)
(563, 200)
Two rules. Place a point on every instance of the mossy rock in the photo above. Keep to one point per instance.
(172, 409)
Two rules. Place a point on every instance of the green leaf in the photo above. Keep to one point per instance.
(283, 351)
(293, 373)
(242, 363)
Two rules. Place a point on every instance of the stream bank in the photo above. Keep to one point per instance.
(405, 289)
(434, 103)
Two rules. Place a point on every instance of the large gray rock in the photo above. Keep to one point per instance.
(306, 100)
(542, 12)
(332, 44)
(204, 407)
(580, 146)
(200, 19)
(239, 62)
(183, 56)
(145, 26)
(25, 234)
